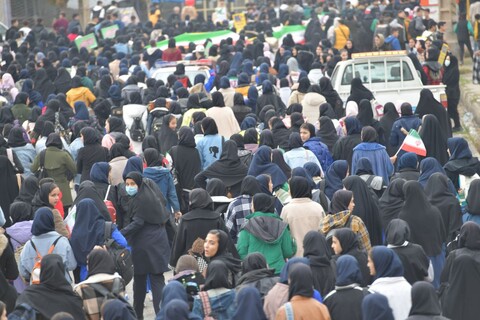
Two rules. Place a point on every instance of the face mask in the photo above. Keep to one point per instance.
(447, 63)
(131, 190)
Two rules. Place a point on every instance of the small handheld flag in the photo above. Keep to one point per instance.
(413, 143)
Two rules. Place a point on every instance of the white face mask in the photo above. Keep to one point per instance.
(447, 63)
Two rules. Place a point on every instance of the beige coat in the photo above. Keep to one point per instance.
(302, 215)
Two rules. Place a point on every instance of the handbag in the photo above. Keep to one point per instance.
(42, 172)
(110, 207)
(377, 109)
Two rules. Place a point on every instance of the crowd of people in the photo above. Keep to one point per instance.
(110, 176)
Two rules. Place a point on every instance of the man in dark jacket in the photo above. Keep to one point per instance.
(403, 125)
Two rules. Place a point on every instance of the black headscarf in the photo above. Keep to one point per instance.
(116, 124)
(366, 207)
(295, 141)
(316, 249)
(100, 261)
(424, 300)
(469, 236)
(224, 243)
(390, 114)
(15, 138)
(148, 142)
(434, 138)
(54, 294)
(146, 204)
(358, 92)
(263, 203)
(326, 110)
(365, 113)
(250, 186)
(43, 84)
(391, 202)
(43, 193)
(167, 137)
(429, 105)
(473, 198)
(464, 283)
(229, 167)
(217, 99)
(340, 200)
(326, 90)
(300, 188)
(300, 281)
(424, 219)
(327, 132)
(54, 140)
(209, 126)
(254, 261)
(28, 189)
(375, 307)
(397, 232)
(90, 136)
(152, 157)
(279, 160)
(200, 199)
(217, 276)
(266, 139)
(87, 190)
(451, 75)
(438, 192)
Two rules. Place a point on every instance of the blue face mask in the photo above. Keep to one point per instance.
(131, 190)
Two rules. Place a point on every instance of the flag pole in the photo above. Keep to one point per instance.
(396, 153)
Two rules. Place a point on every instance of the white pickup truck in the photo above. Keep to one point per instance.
(390, 75)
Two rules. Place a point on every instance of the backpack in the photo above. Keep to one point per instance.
(245, 157)
(207, 308)
(137, 131)
(122, 258)
(35, 274)
(23, 312)
(158, 115)
(114, 294)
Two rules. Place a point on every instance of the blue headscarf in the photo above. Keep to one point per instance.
(408, 160)
(301, 172)
(248, 122)
(115, 309)
(264, 68)
(387, 263)
(99, 172)
(43, 221)
(252, 98)
(262, 164)
(429, 166)
(89, 230)
(235, 64)
(334, 177)
(133, 164)
(458, 148)
(174, 290)
(312, 169)
(286, 268)
(224, 82)
(348, 271)
(247, 67)
(267, 87)
(375, 307)
(81, 112)
(179, 310)
(353, 125)
(249, 305)
(282, 71)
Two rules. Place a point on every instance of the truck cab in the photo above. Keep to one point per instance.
(390, 75)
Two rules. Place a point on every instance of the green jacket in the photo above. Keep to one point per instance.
(57, 163)
(21, 112)
(268, 234)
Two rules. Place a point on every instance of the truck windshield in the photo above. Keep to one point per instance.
(378, 72)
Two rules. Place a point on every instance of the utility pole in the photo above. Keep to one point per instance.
(448, 13)
(84, 11)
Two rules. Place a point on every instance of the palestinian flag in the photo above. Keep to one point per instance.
(413, 143)
(297, 32)
(200, 38)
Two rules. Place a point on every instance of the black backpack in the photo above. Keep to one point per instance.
(122, 258)
(158, 114)
(137, 131)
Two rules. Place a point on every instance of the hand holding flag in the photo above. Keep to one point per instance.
(413, 143)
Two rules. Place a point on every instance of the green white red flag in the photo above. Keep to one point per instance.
(413, 143)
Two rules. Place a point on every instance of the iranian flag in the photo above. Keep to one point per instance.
(297, 32)
(184, 39)
(413, 143)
